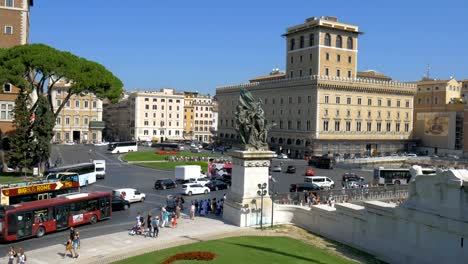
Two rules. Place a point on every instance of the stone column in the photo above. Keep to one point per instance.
(242, 205)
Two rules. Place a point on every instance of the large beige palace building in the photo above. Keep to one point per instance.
(322, 104)
(80, 121)
(147, 116)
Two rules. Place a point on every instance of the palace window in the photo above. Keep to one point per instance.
(379, 126)
(379, 102)
(389, 127)
(327, 56)
(325, 125)
(338, 57)
(337, 125)
(311, 41)
(349, 43)
(369, 126)
(349, 59)
(338, 73)
(326, 99)
(406, 127)
(389, 103)
(327, 40)
(369, 101)
(358, 126)
(359, 101)
(339, 41)
(348, 125)
(337, 99)
(301, 42)
(327, 72)
(8, 30)
(292, 44)
(397, 127)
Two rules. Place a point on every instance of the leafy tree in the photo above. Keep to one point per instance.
(20, 143)
(35, 69)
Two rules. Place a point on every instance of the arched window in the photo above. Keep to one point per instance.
(311, 40)
(349, 43)
(291, 46)
(339, 41)
(327, 40)
(301, 42)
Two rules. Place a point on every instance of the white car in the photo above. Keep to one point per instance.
(276, 168)
(194, 188)
(411, 155)
(282, 156)
(129, 194)
(201, 181)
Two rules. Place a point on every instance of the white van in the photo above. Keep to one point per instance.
(322, 181)
(130, 194)
(100, 168)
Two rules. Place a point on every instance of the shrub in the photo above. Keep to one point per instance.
(195, 255)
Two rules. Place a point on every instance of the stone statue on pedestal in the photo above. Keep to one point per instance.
(250, 122)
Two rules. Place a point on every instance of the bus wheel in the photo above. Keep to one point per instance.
(86, 183)
(397, 182)
(125, 207)
(40, 232)
(93, 219)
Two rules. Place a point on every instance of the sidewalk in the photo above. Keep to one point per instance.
(117, 246)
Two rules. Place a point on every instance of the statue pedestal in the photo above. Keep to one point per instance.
(243, 205)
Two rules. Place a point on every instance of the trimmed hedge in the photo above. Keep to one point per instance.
(195, 255)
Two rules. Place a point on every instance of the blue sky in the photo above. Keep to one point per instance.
(199, 45)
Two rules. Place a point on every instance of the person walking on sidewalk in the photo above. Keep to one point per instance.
(72, 233)
(174, 220)
(177, 211)
(192, 211)
(149, 227)
(75, 243)
(155, 226)
(163, 210)
(11, 255)
(21, 256)
(68, 248)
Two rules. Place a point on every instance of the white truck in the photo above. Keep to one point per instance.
(185, 173)
(100, 168)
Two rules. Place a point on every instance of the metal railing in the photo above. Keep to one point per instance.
(395, 193)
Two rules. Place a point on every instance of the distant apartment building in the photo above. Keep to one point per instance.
(198, 117)
(214, 125)
(14, 22)
(438, 115)
(14, 27)
(80, 120)
(322, 104)
(152, 116)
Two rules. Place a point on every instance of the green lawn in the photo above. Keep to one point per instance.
(171, 165)
(151, 156)
(12, 177)
(259, 250)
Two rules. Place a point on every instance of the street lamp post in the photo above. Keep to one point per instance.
(261, 192)
(272, 202)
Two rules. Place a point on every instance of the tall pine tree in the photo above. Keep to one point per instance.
(21, 141)
(42, 131)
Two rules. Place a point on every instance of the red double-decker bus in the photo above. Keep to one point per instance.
(37, 218)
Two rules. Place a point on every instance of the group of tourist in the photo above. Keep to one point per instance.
(208, 206)
(17, 254)
(73, 243)
(150, 226)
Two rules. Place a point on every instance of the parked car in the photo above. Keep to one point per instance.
(226, 178)
(310, 172)
(194, 188)
(163, 184)
(201, 181)
(119, 204)
(215, 185)
(411, 155)
(304, 187)
(349, 176)
(291, 169)
(130, 194)
(282, 156)
(195, 149)
(322, 181)
(276, 168)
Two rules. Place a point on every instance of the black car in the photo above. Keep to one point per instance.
(351, 177)
(304, 187)
(119, 204)
(215, 185)
(291, 169)
(163, 184)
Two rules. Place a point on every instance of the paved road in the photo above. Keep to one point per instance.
(119, 175)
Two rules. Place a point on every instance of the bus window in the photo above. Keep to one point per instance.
(41, 215)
